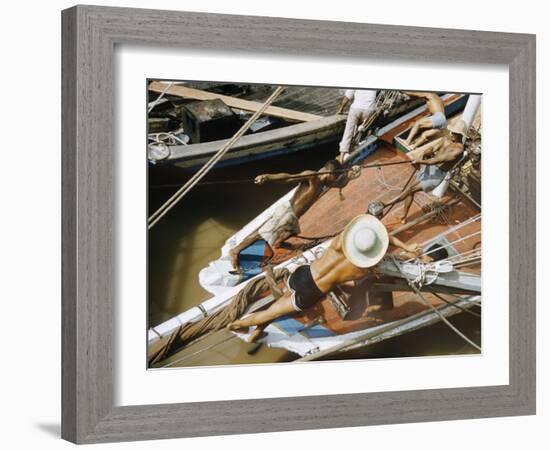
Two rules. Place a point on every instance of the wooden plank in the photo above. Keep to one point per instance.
(247, 105)
(287, 137)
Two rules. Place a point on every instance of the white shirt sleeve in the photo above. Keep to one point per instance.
(350, 93)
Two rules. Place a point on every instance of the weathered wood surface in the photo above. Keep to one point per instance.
(247, 105)
(292, 137)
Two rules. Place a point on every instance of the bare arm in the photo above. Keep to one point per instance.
(345, 100)
(441, 157)
(412, 248)
(285, 177)
(415, 94)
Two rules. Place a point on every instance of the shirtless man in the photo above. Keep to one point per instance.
(443, 154)
(351, 256)
(432, 124)
(284, 221)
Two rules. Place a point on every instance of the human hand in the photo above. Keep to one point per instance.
(355, 171)
(414, 248)
(260, 179)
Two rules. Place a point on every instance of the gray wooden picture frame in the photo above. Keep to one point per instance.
(90, 34)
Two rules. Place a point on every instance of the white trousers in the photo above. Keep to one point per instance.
(356, 117)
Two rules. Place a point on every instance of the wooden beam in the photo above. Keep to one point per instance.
(423, 217)
(247, 105)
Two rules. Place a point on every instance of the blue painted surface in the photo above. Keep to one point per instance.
(364, 153)
(251, 259)
(456, 106)
(291, 327)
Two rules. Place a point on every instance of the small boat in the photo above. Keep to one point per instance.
(338, 323)
(283, 130)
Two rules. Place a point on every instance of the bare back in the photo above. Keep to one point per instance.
(435, 104)
(306, 194)
(333, 268)
(451, 151)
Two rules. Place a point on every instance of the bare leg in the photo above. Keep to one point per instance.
(235, 251)
(412, 133)
(420, 124)
(407, 206)
(258, 333)
(420, 152)
(279, 308)
(424, 137)
(403, 195)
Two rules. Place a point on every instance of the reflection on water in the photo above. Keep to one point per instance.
(191, 235)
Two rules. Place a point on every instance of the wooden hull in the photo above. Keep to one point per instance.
(266, 144)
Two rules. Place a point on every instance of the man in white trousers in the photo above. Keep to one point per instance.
(363, 101)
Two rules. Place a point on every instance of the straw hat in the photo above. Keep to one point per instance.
(365, 241)
(458, 127)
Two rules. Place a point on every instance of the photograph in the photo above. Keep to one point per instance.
(310, 223)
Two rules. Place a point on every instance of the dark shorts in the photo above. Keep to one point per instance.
(304, 291)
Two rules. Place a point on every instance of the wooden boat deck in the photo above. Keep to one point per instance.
(331, 214)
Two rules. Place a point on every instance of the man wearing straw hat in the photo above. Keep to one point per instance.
(434, 173)
(432, 124)
(352, 255)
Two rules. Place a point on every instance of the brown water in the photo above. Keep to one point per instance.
(191, 235)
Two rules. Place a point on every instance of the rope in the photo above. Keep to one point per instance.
(441, 316)
(379, 106)
(367, 166)
(290, 177)
(172, 201)
(382, 180)
(191, 332)
(447, 245)
(318, 238)
(157, 138)
(468, 253)
(155, 103)
(466, 310)
(469, 263)
(368, 335)
(453, 229)
(402, 190)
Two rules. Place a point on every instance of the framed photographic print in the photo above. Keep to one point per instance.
(321, 233)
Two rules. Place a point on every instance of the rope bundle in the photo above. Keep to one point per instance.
(188, 332)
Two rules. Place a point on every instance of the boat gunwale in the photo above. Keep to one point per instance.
(180, 153)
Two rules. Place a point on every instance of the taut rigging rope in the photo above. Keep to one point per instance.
(441, 316)
(291, 177)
